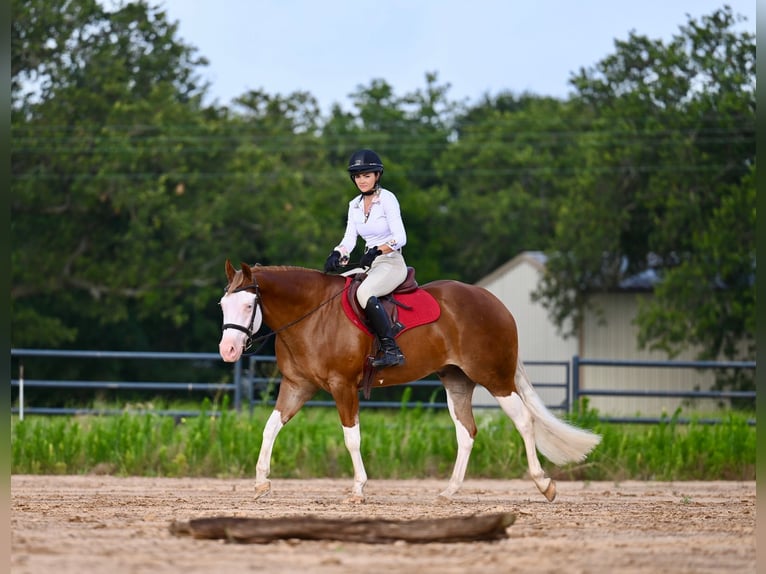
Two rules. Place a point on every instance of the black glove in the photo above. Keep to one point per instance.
(333, 262)
(369, 256)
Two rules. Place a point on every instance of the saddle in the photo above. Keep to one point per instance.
(389, 302)
(407, 306)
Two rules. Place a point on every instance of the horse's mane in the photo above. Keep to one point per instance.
(238, 280)
(286, 268)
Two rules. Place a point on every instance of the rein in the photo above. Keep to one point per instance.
(263, 338)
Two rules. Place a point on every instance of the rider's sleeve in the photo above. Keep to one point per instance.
(347, 244)
(398, 238)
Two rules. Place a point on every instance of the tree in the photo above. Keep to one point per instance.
(502, 181)
(667, 181)
(106, 218)
(281, 188)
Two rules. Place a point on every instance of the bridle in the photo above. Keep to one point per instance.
(248, 330)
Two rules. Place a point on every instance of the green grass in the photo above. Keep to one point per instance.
(404, 443)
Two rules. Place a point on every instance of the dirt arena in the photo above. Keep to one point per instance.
(110, 525)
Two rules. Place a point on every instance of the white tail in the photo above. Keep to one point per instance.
(559, 441)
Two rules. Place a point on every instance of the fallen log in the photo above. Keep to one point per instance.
(367, 530)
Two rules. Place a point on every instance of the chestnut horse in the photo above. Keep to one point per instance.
(474, 341)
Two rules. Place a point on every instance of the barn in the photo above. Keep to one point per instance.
(615, 338)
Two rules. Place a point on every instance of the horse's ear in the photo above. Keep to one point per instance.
(247, 273)
(230, 271)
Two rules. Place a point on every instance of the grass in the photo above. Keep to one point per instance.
(404, 443)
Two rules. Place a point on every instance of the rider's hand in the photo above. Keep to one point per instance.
(333, 262)
(369, 256)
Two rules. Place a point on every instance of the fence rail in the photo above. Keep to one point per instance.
(248, 387)
(21, 383)
(577, 391)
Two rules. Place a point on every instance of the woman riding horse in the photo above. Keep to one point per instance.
(473, 342)
(374, 215)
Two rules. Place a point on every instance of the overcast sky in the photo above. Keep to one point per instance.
(331, 47)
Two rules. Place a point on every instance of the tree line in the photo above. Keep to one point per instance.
(129, 192)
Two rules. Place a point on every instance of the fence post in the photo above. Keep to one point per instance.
(252, 369)
(238, 384)
(21, 392)
(575, 382)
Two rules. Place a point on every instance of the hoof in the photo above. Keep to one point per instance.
(354, 499)
(444, 498)
(550, 492)
(262, 490)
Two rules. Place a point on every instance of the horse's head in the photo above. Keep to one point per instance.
(242, 314)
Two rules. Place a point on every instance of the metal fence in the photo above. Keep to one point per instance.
(260, 389)
(255, 380)
(21, 383)
(577, 391)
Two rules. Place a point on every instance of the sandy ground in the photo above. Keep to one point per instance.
(110, 525)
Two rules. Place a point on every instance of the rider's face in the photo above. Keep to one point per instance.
(365, 181)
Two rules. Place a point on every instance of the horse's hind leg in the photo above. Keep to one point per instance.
(515, 408)
(347, 402)
(459, 397)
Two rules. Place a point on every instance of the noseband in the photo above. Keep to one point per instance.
(247, 330)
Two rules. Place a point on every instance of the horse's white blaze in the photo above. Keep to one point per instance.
(237, 309)
(353, 439)
(257, 320)
(464, 448)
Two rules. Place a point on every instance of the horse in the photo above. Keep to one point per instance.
(473, 341)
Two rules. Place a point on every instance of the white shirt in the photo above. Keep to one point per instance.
(383, 225)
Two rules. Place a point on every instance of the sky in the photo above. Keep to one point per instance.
(331, 48)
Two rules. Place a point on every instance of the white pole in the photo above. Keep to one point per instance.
(21, 392)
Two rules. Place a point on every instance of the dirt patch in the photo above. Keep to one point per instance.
(103, 524)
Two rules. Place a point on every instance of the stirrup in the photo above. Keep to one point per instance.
(390, 358)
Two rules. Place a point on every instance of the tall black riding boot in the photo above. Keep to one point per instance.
(381, 324)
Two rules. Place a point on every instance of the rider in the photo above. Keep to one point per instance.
(375, 216)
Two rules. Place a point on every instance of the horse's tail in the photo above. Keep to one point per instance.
(559, 441)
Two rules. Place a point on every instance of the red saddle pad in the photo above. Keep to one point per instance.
(422, 308)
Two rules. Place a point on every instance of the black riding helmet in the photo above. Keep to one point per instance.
(364, 160)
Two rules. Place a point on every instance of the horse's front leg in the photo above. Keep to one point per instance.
(291, 398)
(353, 439)
(263, 466)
